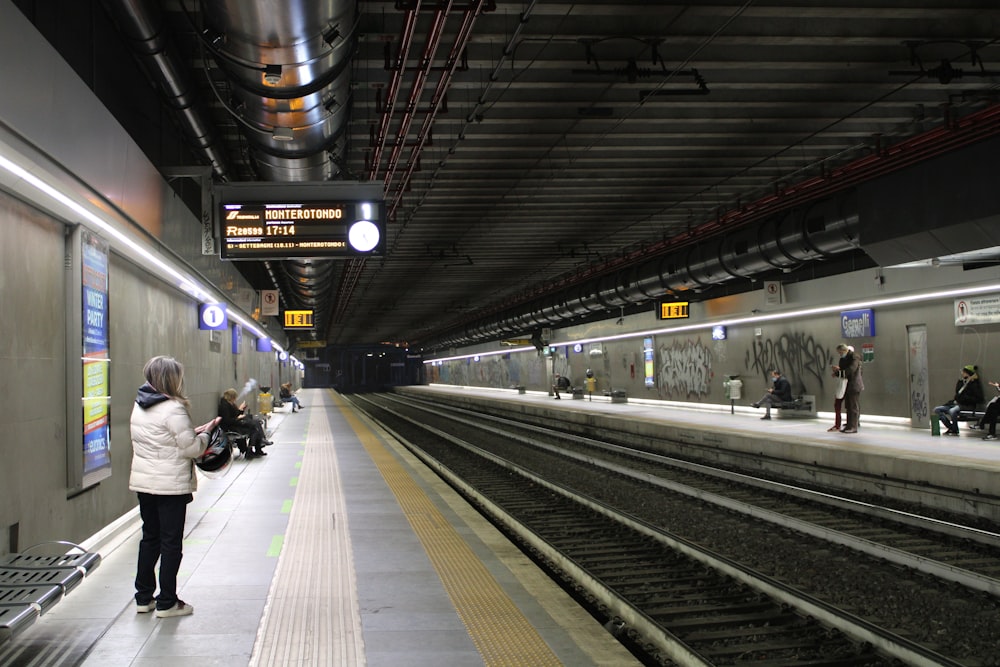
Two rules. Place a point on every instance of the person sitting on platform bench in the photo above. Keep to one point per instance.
(989, 419)
(562, 383)
(780, 393)
(235, 418)
(968, 394)
(286, 395)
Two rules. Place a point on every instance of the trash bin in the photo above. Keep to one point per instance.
(733, 386)
(935, 424)
(264, 399)
(619, 396)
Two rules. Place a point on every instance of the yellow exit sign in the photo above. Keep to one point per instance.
(298, 319)
(673, 310)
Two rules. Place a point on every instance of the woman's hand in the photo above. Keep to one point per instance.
(207, 426)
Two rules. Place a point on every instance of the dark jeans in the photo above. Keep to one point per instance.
(952, 414)
(162, 535)
(990, 418)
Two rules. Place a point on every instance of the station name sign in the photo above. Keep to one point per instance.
(302, 229)
(857, 323)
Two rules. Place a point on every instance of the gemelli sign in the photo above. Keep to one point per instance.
(857, 323)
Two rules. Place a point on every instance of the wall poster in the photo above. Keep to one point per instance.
(96, 359)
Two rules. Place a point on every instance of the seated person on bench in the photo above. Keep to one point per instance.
(286, 395)
(780, 393)
(968, 394)
(234, 418)
(989, 419)
(561, 383)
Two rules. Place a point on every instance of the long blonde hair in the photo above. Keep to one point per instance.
(166, 375)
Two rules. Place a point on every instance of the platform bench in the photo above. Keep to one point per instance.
(801, 406)
(31, 584)
(971, 415)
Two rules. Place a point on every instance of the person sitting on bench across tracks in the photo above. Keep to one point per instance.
(968, 395)
(780, 393)
(561, 383)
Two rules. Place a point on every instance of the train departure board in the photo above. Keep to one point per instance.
(304, 229)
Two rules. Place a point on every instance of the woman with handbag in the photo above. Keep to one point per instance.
(839, 369)
(164, 446)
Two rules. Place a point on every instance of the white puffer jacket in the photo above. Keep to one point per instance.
(164, 445)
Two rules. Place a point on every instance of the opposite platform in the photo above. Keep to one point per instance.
(888, 452)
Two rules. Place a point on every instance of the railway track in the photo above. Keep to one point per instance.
(693, 566)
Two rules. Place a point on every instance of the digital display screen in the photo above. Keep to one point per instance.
(673, 310)
(316, 229)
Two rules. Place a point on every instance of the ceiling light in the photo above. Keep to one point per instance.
(282, 134)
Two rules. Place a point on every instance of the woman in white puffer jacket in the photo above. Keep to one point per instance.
(164, 446)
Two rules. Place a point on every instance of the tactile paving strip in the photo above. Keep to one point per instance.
(311, 617)
(501, 633)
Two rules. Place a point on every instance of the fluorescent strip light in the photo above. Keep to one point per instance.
(183, 281)
(819, 310)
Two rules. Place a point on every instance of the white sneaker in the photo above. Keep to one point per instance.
(180, 608)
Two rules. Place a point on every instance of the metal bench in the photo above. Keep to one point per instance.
(800, 406)
(15, 619)
(31, 583)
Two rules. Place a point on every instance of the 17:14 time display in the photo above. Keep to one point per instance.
(280, 230)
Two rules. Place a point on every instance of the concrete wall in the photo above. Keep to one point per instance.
(147, 318)
(54, 121)
(690, 366)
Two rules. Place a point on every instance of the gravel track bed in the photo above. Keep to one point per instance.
(947, 618)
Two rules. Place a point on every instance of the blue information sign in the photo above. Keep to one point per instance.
(857, 323)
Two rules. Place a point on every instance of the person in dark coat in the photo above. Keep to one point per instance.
(989, 418)
(968, 395)
(846, 353)
(852, 395)
(561, 383)
(780, 392)
(234, 418)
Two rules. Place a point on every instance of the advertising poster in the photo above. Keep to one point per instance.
(96, 357)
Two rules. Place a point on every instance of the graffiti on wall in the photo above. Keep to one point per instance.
(799, 356)
(685, 369)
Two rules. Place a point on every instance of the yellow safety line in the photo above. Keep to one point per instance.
(496, 626)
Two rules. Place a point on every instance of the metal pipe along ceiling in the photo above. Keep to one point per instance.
(290, 79)
(289, 75)
(784, 242)
(142, 23)
(291, 85)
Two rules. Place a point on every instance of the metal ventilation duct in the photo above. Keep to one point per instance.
(288, 80)
(784, 242)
